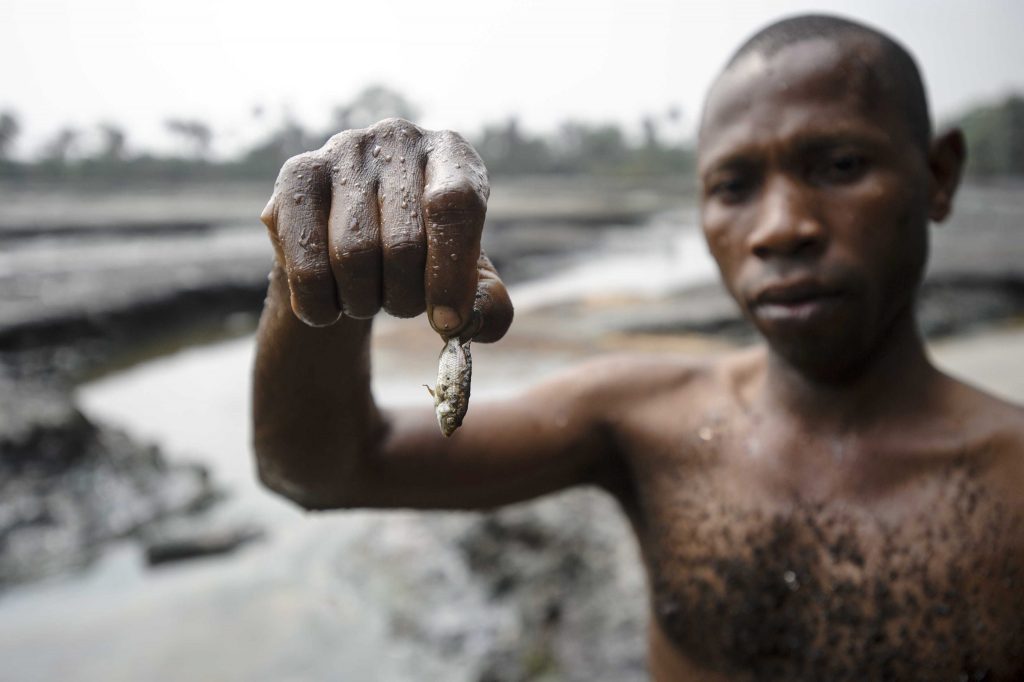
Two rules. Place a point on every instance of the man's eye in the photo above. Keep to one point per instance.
(844, 168)
(729, 189)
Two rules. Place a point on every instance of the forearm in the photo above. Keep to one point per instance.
(313, 413)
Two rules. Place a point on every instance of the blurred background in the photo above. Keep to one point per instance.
(139, 143)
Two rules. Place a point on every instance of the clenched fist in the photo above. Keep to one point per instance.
(388, 217)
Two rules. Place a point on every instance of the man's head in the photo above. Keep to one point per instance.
(819, 177)
(885, 60)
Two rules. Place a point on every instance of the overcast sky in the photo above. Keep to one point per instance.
(463, 62)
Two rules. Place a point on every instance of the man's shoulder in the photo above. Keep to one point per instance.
(987, 412)
(993, 428)
(636, 378)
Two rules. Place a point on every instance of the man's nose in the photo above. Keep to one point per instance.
(787, 224)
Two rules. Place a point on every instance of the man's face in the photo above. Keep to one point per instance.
(814, 201)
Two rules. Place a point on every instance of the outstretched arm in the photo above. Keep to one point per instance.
(390, 217)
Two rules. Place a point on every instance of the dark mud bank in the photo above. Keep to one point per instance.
(68, 486)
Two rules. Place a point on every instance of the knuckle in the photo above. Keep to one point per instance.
(455, 200)
(471, 162)
(397, 126)
(305, 170)
(354, 252)
(343, 140)
(309, 277)
(403, 240)
(300, 163)
(269, 215)
(451, 138)
(346, 147)
(355, 230)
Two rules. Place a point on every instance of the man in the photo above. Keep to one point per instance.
(827, 507)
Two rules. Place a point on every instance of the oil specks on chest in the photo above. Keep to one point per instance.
(833, 591)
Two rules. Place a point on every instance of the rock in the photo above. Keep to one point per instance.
(568, 568)
(181, 542)
(67, 485)
(547, 590)
(40, 428)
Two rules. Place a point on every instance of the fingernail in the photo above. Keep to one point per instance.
(445, 319)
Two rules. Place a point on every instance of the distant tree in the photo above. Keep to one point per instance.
(113, 143)
(63, 145)
(650, 128)
(586, 147)
(580, 148)
(371, 105)
(9, 129)
(196, 134)
(287, 141)
(995, 138)
(505, 149)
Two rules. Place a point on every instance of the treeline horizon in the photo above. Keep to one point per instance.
(994, 131)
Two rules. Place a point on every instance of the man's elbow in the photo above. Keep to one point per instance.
(312, 493)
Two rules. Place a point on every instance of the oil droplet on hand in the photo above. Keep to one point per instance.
(376, 151)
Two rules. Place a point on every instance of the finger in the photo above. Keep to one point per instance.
(354, 233)
(492, 308)
(300, 224)
(403, 239)
(454, 205)
(269, 218)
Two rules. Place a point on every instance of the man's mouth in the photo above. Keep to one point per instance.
(794, 301)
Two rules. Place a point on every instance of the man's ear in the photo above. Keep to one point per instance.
(946, 158)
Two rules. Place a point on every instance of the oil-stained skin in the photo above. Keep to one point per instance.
(834, 590)
(454, 375)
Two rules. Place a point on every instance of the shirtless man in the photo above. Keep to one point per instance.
(829, 506)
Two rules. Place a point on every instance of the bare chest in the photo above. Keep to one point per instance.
(923, 582)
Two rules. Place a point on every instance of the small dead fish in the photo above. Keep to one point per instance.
(451, 394)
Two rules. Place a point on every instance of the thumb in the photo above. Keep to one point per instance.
(492, 307)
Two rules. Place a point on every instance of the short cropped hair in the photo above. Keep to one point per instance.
(893, 65)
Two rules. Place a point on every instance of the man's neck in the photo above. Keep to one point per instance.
(893, 379)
